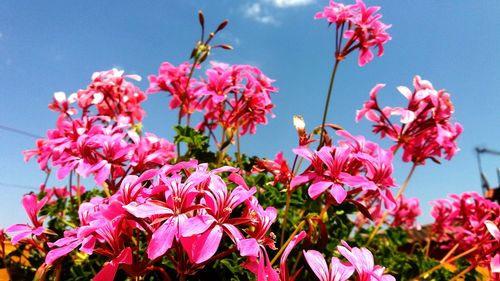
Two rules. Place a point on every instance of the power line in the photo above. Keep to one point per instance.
(18, 186)
(21, 132)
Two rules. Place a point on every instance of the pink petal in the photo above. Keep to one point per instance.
(495, 263)
(317, 263)
(162, 239)
(338, 193)
(296, 240)
(248, 247)
(202, 247)
(54, 254)
(317, 188)
(196, 225)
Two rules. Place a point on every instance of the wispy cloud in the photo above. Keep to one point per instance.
(259, 13)
(290, 3)
(262, 10)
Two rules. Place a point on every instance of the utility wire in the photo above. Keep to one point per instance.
(20, 186)
(21, 132)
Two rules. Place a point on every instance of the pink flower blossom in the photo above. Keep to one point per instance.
(338, 270)
(355, 163)
(425, 130)
(406, 213)
(362, 260)
(182, 88)
(360, 26)
(237, 97)
(113, 95)
(32, 206)
(468, 220)
(278, 168)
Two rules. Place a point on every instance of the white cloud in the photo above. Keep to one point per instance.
(258, 13)
(290, 3)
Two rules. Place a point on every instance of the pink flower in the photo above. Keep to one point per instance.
(406, 213)
(113, 95)
(236, 97)
(360, 26)
(32, 207)
(355, 163)
(175, 81)
(61, 104)
(362, 260)
(278, 168)
(468, 220)
(425, 130)
(338, 271)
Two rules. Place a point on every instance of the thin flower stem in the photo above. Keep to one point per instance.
(386, 213)
(332, 81)
(443, 263)
(297, 229)
(78, 195)
(463, 272)
(285, 215)
(450, 252)
(221, 151)
(238, 149)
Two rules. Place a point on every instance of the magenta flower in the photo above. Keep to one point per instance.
(468, 220)
(278, 168)
(426, 131)
(360, 26)
(355, 163)
(406, 213)
(175, 81)
(32, 207)
(214, 221)
(237, 97)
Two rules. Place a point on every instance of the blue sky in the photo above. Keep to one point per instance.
(48, 46)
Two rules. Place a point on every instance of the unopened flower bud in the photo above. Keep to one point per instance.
(299, 124)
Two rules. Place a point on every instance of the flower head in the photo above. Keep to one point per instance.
(360, 26)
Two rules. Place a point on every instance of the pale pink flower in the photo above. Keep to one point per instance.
(362, 260)
(113, 95)
(338, 270)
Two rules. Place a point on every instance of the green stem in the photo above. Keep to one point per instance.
(297, 229)
(386, 213)
(285, 216)
(238, 149)
(332, 81)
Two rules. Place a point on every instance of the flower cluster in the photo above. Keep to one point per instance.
(234, 97)
(360, 26)
(104, 144)
(113, 95)
(354, 162)
(461, 221)
(180, 215)
(32, 206)
(358, 259)
(406, 212)
(426, 131)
